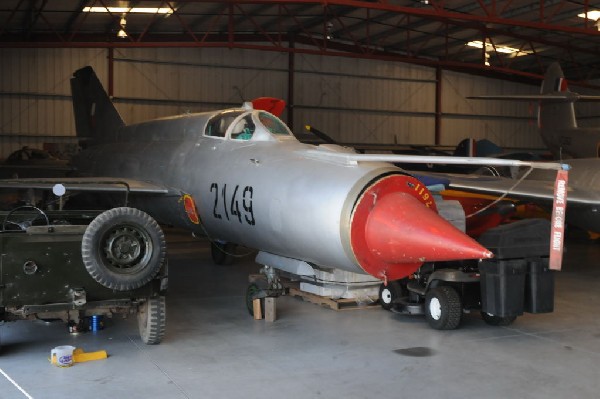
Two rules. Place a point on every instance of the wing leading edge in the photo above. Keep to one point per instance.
(539, 190)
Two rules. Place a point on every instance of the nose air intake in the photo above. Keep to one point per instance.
(394, 233)
(401, 230)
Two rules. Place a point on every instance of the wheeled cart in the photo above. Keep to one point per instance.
(515, 281)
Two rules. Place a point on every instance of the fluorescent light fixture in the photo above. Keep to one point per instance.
(593, 15)
(500, 49)
(125, 10)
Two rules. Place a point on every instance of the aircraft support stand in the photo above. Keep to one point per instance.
(262, 294)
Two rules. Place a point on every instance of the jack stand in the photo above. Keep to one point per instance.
(262, 301)
(75, 322)
(274, 285)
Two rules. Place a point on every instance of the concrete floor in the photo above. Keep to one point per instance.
(214, 349)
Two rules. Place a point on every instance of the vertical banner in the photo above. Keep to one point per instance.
(557, 231)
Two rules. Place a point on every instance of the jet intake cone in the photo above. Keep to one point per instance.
(395, 229)
(400, 229)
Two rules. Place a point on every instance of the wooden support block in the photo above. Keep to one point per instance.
(270, 309)
(257, 309)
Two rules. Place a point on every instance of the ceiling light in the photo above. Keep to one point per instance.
(328, 30)
(499, 49)
(123, 22)
(125, 10)
(593, 15)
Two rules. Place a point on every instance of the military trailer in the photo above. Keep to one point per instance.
(515, 281)
(72, 265)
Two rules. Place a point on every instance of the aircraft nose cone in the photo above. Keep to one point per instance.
(400, 229)
(395, 229)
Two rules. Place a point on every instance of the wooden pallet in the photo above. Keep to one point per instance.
(294, 290)
(335, 304)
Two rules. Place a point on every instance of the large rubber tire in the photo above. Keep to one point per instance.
(123, 248)
(387, 295)
(443, 308)
(222, 254)
(497, 320)
(152, 320)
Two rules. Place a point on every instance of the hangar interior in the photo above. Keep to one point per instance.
(353, 100)
(381, 73)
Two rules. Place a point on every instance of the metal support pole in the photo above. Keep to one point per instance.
(111, 64)
(290, 95)
(438, 105)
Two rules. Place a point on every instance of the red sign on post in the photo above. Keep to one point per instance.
(557, 231)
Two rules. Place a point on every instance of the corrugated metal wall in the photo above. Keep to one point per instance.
(153, 83)
(353, 100)
(35, 94)
(365, 101)
(587, 112)
(506, 123)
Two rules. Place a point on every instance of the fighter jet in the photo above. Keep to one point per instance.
(558, 128)
(239, 176)
(556, 117)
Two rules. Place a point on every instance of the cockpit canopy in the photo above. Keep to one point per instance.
(252, 125)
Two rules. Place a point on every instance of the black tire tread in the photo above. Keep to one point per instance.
(95, 267)
(451, 308)
(153, 324)
(396, 290)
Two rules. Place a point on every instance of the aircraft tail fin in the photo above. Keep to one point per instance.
(557, 113)
(96, 118)
(555, 99)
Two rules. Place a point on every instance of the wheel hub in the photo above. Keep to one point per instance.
(386, 296)
(124, 247)
(435, 308)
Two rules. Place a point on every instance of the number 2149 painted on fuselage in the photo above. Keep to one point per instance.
(229, 206)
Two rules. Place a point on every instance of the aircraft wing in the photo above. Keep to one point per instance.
(105, 184)
(564, 97)
(527, 189)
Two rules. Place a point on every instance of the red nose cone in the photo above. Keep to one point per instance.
(395, 229)
(401, 230)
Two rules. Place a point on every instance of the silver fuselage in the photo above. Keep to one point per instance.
(266, 192)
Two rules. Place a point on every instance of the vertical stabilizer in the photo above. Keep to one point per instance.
(555, 114)
(556, 117)
(96, 118)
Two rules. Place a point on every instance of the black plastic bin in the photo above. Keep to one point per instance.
(522, 239)
(503, 286)
(539, 287)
